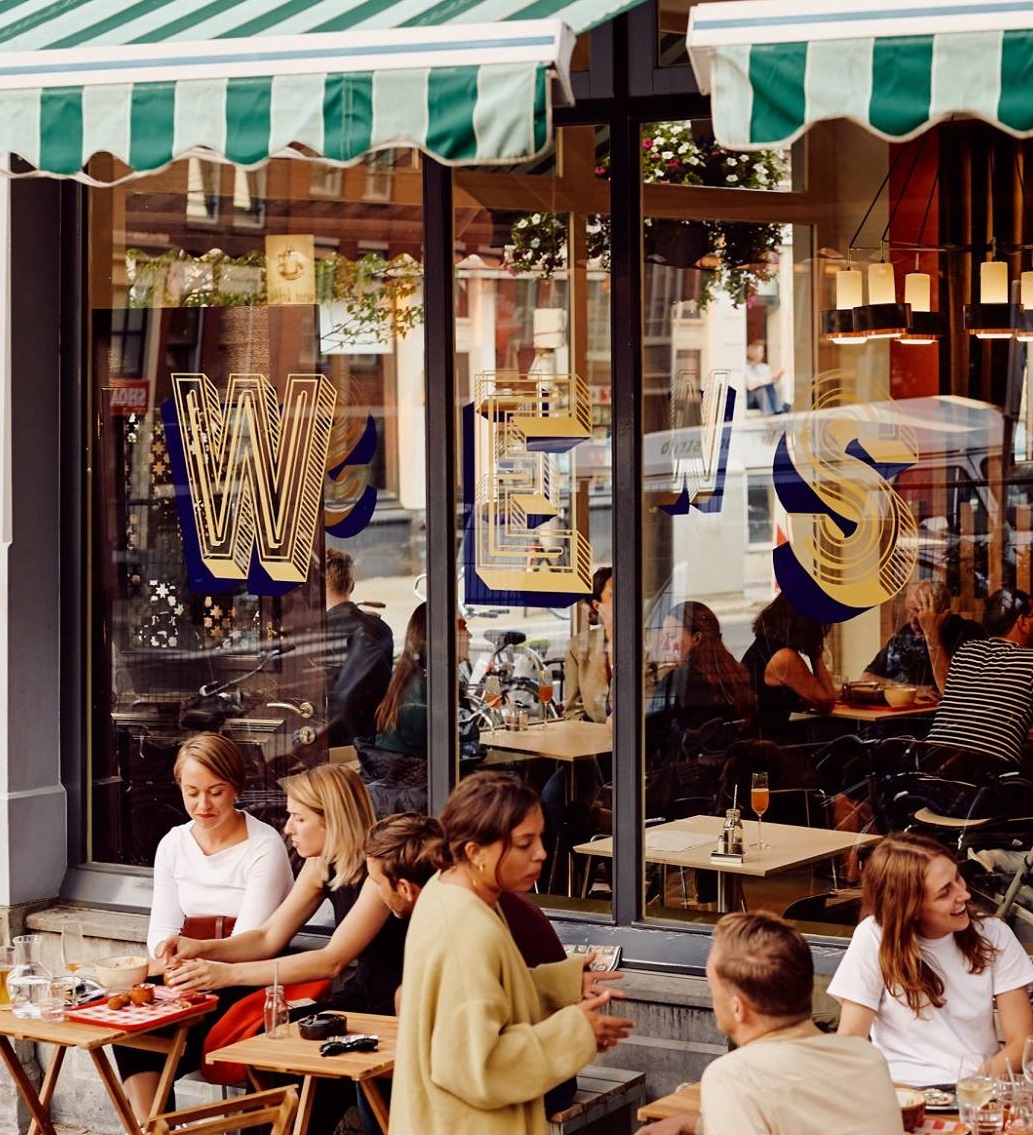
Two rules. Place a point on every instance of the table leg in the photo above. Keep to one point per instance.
(729, 892)
(24, 1086)
(375, 1099)
(308, 1087)
(46, 1095)
(168, 1073)
(113, 1085)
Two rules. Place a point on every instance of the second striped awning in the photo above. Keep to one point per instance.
(775, 67)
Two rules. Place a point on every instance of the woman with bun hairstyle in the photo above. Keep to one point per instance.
(923, 973)
(482, 1038)
(222, 869)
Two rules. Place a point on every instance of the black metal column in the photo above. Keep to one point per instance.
(440, 417)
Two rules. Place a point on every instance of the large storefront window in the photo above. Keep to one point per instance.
(257, 486)
(534, 470)
(805, 497)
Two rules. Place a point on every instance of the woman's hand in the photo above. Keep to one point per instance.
(177, 948)
(198, 975)
(590, 982)
(608, 1030)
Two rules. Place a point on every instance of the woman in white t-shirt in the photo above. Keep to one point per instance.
(223, 864)
(922, 973)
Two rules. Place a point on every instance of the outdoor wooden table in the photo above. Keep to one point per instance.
(296, 1057)
(791, 847)
(686, 1098)
(64, 1035)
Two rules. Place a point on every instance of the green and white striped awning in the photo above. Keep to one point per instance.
(775, 67)
(467, 81)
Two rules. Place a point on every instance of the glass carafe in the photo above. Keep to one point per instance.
(28, 984)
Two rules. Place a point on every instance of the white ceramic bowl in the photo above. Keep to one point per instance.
(122, 972)
(899, 696)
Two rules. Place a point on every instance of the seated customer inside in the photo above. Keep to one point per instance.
(786, 667)
(919, 652)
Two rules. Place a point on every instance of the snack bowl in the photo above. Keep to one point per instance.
(912, 1107)
(899, 696)
(863, 693)
(122, 972)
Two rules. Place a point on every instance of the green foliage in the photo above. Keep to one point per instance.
(742, 254)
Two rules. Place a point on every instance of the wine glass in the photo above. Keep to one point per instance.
(493, 697)
(545, 695)
(1027, 1058)
(760, 797)
(73, 948)
(976, 1090)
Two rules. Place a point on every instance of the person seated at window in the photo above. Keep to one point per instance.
(587, 667)
(923, 973)
(394, 766)
(987, 704)
(359, 649)
(223, 869)
(919, 653)
(328, 817)
(706, 682)
(786, 667)
(761, 382)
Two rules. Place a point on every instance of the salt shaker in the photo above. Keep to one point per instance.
(276, 1012)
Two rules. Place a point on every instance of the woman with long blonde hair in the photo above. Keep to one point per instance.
(923, 973)
(328, 816)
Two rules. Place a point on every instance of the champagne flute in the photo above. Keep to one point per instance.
(760, 797)
(545, 695)
(73, 947)
(6, 965)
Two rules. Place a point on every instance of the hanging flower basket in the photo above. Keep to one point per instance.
(735, 257)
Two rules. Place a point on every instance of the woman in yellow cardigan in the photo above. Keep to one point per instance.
(481, 1037)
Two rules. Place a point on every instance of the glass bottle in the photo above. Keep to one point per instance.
(276, 1012)
(29, 983)
(732, 832)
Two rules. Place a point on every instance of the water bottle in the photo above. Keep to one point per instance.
(732, 832)
(276, 1013)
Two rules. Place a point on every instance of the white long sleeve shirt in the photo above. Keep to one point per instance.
(247, 881)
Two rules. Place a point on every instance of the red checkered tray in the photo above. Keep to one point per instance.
(160, 1012)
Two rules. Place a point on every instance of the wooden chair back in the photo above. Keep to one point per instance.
(275, 1108)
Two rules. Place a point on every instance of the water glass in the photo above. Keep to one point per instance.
(979, 1101)
(52, 1003)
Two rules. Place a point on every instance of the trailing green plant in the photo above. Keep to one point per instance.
(743, 254)
(372, 289)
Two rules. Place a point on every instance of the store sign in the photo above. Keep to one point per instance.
(526, 537)
(128, 396)
(852, 538)
(249, 474)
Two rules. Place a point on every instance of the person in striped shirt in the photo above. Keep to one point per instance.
(987, 705)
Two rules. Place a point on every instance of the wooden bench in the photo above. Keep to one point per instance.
(604, 1104)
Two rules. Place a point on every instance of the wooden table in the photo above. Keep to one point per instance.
(791, 847)
(567, 741)
(870, 714)
(296, 1057)
(686, 1098)
(64, 1035)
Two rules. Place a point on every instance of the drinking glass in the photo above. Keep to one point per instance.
(73, 948)
(545, 696)
(979, 1102)
(1027, 1058)
(6, 965)
(493, 697)
(760, 797)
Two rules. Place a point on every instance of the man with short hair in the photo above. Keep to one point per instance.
(359, 653)
(785, 1077)
(919, 653)
(402, 852)
(987, 704)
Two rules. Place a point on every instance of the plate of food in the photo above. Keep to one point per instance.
(936, 1099)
